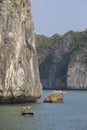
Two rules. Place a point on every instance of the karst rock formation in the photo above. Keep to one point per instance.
(19, 75)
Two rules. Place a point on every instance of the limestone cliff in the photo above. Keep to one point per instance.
(19, 76)
(63, 60)
(77, 70)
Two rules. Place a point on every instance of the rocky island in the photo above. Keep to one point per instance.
(19, 75)
(55, 97)
(63, 60)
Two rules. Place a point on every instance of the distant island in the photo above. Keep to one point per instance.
(63, 60)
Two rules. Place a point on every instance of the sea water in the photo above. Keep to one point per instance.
(70, 115)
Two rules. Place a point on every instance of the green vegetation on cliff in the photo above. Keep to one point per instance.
(56, 52)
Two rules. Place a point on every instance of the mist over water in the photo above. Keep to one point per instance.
(70, 115)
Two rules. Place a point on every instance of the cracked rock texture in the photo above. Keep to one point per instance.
(19, 76)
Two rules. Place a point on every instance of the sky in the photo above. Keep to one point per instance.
(59, 16)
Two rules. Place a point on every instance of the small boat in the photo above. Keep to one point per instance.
(26, 111)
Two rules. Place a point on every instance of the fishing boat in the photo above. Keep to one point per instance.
(26, 111)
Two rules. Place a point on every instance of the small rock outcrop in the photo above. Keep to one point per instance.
(55, 97)
(19, 76)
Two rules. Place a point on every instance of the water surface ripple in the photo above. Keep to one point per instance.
(71, 115)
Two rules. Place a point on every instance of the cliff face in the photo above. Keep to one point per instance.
(77, 71)
(19, 76)
(53, 59)
(60, 60)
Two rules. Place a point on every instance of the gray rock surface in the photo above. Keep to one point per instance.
(54, 57)
(77, 71)
(19, 76)
(63, 60)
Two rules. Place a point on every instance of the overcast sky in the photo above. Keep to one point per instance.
(59, 16)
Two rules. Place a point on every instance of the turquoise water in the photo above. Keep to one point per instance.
(71, 115)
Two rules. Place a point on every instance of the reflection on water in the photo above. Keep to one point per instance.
(71, 115)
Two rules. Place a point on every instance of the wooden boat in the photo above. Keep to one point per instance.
(26, 111)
